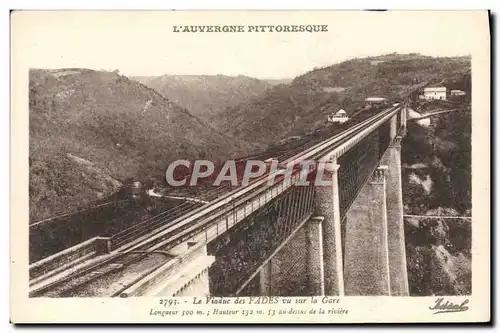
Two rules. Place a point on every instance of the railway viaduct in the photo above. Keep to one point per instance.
(344, 237)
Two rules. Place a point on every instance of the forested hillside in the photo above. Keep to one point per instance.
(90, 130)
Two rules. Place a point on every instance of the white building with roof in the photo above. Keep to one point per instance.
(438, 93)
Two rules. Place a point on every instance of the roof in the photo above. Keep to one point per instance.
(341, 111)
(435, 89)
(374, 99)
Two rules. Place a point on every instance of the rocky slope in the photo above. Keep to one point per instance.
(90, 130)
(438, 255)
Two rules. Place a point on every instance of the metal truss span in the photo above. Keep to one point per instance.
(358, 163)
(241, 250)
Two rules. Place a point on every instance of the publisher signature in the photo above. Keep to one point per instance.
(442, 306)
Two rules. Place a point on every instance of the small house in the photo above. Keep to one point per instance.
(338, 117)
(136, 189)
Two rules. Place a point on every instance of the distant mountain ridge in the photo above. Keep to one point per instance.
(207, 95)
(296, 108)
(121, 127)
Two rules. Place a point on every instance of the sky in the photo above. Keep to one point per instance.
(144, 43)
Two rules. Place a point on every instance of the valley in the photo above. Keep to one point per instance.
(94, 133)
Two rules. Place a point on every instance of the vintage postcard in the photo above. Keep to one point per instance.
(250, 166)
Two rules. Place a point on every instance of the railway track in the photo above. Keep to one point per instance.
(223, 192)
(281, 155)
(174, 227)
